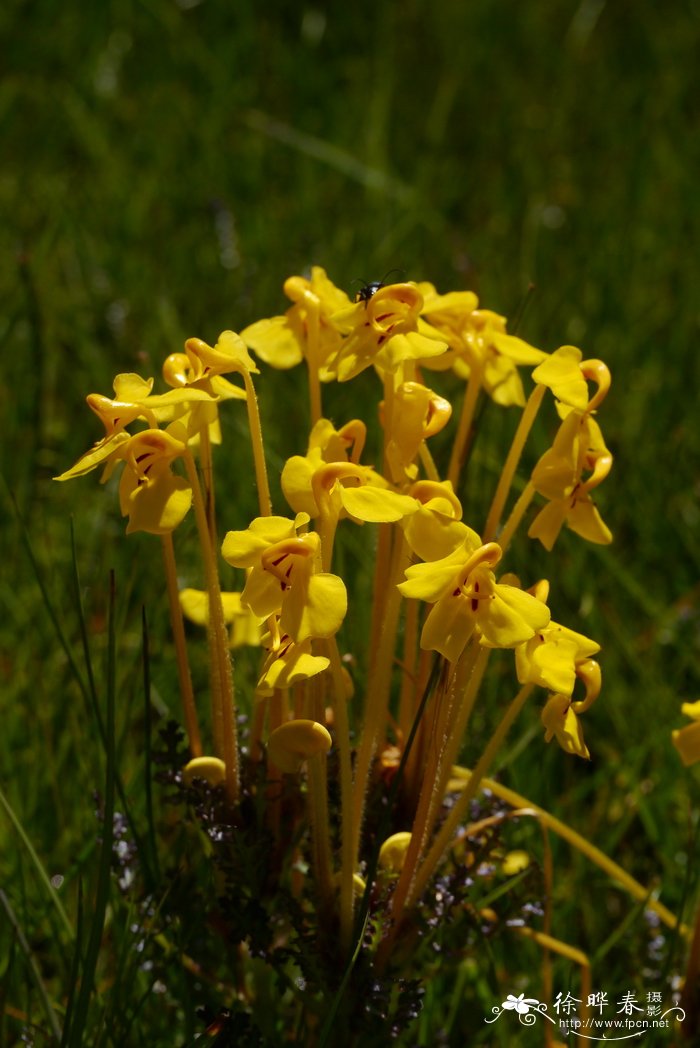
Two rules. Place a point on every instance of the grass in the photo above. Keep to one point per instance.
(167, 166)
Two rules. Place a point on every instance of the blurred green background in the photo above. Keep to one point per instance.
(167, 164)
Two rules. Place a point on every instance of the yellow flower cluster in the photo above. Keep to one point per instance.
(438, 591)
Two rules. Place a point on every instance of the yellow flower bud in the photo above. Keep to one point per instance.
(392, 853)
(211, 769)
(295, 742)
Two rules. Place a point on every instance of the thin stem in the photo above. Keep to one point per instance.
(342, 737)
(208, 476)
(463, 689)
(178, 627)
(516, 515)
(256, 439)
(223, 703)
(380, 672)
(595, 855)
(318, 813)
(428, 462)
(449, 827)
(466, 418)
(511, 463)
(313, 331)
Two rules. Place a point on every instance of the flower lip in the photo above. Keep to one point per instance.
(427, 490)
(274, 557)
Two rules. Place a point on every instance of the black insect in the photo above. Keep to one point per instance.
(368, 290)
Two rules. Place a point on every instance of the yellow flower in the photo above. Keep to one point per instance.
(435, 530)
(417, 413)
(549, 659)
(288, 663)
(230, 354)
(466, 597)
(132, 400)
(153, 497)
(183, 371)
(560, 722)
(478, 338)
(285, 578)
(687, 739)
(305, 330)
(245, 626)
(578, 447)
(566, 374)
(326, 444)
(360, 492)
(384, 331)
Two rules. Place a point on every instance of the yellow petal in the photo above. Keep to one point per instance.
(561, 722)
(315, 609)
(242, 549)
(158, 505)
(102, 451)
(377, 505)
(274, 342)
(295, 665)
(561, 373)
(510, 617)
(448, 627)
(687, 742)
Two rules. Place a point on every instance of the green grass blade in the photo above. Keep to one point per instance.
(148, 729)
(74, 968)
(38, 865)
(93, 702)
(104, 874)
(33, 967)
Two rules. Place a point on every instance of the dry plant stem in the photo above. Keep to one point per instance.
(516, 515)
(599, 858)
(416, 758)
(256, 439)
(318, 815)
(183, 666)
(342, 738)
(441, 704)
(456, 816)
(511, 463)
(466, 418)
(462, 691)
(223, 704)
(381, 665)
(408, 681)
(257, 727)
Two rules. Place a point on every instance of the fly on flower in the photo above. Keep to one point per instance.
(371, 287)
